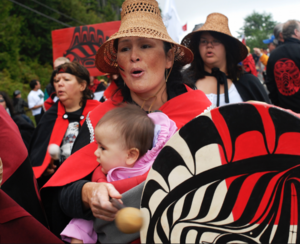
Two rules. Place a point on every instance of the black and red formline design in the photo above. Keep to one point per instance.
(231, 175)
(287, 76)
(81, 43)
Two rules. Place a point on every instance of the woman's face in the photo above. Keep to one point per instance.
(212, 51)
(142, 63)
(67, 88)
(2, 101)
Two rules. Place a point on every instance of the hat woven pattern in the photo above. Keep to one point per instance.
(140, 18)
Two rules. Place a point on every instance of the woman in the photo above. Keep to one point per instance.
(149, 63)
(26, 129)
(60, 124)
(215, 69)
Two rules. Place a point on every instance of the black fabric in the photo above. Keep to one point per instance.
(100, 87)
(74, 116)
(52, 202)
(72, 203)
(19, 105)
(50, 89)
(250, 88)
(25, 129)
(288, 77)
(56, 218)
(20, 187)
(81, 140)
(221, 80)
(41, 137)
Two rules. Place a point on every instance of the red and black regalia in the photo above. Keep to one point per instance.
(51, 130)
(283, 75)
(78, 168)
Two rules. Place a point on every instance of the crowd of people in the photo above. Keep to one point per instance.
(109, 137)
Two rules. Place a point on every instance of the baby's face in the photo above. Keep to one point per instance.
(111, 151)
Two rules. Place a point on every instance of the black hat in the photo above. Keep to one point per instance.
(16, 93)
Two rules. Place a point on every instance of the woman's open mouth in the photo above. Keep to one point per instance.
(209, 54)
(137, 73)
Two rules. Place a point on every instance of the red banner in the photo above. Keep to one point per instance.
(81, 43)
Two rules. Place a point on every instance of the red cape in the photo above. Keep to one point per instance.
(10, 135)
(180, 109)
(59, 130)
(18, 226)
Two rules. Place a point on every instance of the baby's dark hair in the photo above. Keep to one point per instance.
(134, 125)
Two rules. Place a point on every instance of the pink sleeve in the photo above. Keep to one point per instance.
(80, 229)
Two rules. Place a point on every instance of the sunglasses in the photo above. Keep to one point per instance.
(2, 100)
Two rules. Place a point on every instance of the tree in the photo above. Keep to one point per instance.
(25, 36)
(257, 27)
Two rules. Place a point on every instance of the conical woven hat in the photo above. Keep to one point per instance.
(141, 18)
(217, 22)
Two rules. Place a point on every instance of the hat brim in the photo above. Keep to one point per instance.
(106, 57)
(241, 49)
(268, 41)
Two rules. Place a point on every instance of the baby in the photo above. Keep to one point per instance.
(128, 142)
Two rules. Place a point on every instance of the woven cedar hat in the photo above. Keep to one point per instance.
(218, 23)
(141, 18)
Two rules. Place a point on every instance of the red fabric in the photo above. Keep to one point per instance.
(98, 175)
(110, 90)
(126, 184)
(180, 109)
(94, 87)
(18, 226)
(121, 185)
(249, 65)
(49, 102)
(12, 157)
(59, 131)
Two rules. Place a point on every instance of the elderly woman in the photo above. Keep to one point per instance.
(149, 63)
(215, 69)
(61, 123)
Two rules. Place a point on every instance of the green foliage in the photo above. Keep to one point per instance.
(25, 36)
(257, 27)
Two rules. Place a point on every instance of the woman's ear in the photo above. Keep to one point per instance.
(132, 156)
(83, 85)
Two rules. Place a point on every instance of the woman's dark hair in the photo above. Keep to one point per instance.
(196, 69)
(175, 83)
(9, 103)
(82, 76)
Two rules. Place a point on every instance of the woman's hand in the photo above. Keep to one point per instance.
(50, 169)
(95, 196)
